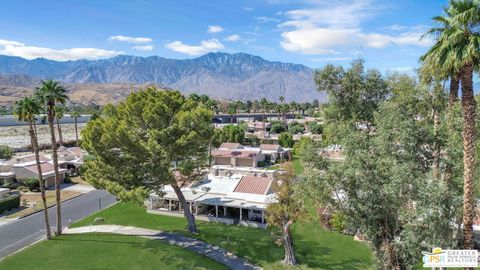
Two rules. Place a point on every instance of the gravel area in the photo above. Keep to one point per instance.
(17, 136)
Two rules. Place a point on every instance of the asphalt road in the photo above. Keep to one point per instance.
(22, 232)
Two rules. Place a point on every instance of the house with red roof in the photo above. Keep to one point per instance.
(236, 199)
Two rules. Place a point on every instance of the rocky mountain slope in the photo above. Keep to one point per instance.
(221, 75)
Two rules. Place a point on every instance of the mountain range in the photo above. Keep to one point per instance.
(219, 75)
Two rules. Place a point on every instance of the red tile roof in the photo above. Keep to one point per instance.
(254, 185)
(233, 153)
(30, 158)
(231, 146)
(46, 168)
(271, 147)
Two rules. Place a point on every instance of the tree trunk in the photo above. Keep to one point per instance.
(60, 137)
(436, 145)
(288, 245)
(192, 227)
(453, 95)
(469, 136)
(263, 124)
(390, 255)
(51, 118)
(33, 136)
(76, 131)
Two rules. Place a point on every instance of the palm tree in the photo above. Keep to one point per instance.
(264, 108)
(26, 110)
(51, 93)
(75, 114)
(458, 46)
(59, 110)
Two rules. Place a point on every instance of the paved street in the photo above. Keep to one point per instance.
(21, 233)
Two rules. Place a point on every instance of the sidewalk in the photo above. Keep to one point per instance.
(200, 247)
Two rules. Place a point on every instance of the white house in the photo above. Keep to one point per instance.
(236, 199)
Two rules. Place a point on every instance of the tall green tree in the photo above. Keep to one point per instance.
(287, 209)
(457, 48)
(27, 110)
(50, 94)
(137, 141)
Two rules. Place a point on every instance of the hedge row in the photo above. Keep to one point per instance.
(9, 203)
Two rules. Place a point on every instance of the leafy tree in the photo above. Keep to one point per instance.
(5, 152)
(315, 128)
(457, 48)
(229, 133)
(354, 93)
(287, 209)
(136, 142)
(50, 94)
(277, 128)
(386, 185)
(26, 110)
(286, 139)
(295, 128)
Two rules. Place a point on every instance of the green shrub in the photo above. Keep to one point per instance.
(67, 179)
(6, 185)
(33, 184)
(338, 222)
(5, 152)
(261, 163)
(9, 203)
(277, 128)
(316, 128)
(295, 128)
(286, 140)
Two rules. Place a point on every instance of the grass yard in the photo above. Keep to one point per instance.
(315, 247)
(297, 166)
(106, 251)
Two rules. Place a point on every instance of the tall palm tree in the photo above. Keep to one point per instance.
(26, 110)
(59, 110)
(75, 114)
(264, 108)
(458, 46)
(51, 93)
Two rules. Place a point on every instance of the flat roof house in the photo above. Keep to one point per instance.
(274, 152)
(28, 170)
(236, 199)
(233, 155)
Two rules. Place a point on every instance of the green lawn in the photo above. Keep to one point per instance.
(106, 251)
(297, 166)
(315, 247)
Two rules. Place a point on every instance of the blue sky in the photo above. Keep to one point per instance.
(310, 32)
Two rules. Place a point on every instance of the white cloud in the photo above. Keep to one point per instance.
(326, 27)
(212, 29)
(316, 40)
(15, 48)
(403, 39)
(145, 48)
(233, 38)
(330, 59)
(248, 9)
(211, 45)
(395, 27)
(130, 39)
(265, 19)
